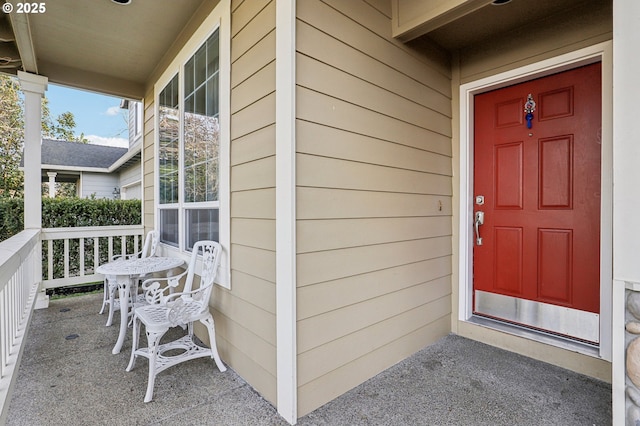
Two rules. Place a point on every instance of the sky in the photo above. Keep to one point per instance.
(99, 117)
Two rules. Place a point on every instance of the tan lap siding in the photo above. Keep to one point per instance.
(148, 163)
(373, 136)
(245, 316)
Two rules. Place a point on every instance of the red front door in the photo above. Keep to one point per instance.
(539, 190)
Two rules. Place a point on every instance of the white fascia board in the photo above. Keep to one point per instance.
(126, 157)
(54, 167)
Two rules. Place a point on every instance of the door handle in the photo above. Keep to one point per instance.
(479, 220)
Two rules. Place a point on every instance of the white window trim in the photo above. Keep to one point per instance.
(219, 19)
(597, 53)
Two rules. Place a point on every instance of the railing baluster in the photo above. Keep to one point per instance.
(12, 312)
(6, 329)
(50, 259)
(3, 332)
(96, 253)
(10, 316)
(19, 300)
(81, 254)
(66, 258)
(77, 271)
(19, 297)
(7, 338)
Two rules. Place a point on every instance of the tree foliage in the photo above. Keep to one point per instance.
(11, 137)
(61, 128)
(12, 134)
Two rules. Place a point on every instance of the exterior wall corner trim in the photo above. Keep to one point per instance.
(286, 210)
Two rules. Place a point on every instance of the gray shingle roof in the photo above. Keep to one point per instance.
(64, 153)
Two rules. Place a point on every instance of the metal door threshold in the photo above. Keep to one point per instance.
(537, 336)
(552, 319)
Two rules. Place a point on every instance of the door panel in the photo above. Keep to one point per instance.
(509, 168)
(556, 173)
(555, 257)
(508, 248)
(541, 188)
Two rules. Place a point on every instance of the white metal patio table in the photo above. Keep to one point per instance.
(124, 273)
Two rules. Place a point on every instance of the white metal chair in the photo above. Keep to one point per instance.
(109, 298)
(168, 309)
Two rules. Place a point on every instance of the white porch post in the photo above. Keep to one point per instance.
(52, 184)
(33, 87)
(626, 175)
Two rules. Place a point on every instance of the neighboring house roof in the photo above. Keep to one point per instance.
(74, 154)
(65, 155)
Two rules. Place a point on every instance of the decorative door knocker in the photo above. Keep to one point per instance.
(529, 107)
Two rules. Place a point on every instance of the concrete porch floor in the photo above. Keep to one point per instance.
(77, 381)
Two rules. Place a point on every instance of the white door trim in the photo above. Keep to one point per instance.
(599, 52)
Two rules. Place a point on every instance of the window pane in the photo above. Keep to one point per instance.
(212, 96)
(201, 128)
(168, 151)
(189, 103)
(169, 226)
(200, 66)
(213, 54)
(188, 76)
(201, 99)
(202, 224)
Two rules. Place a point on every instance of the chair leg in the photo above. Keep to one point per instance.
(104, 297)
(133, 298)
(134, 343)
(112, 296)
(208, 322)
(154, 342)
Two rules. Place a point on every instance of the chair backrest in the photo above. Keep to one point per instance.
(150, 244)
(189, 307)
(211, 252)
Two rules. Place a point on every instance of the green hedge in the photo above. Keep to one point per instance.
(66, 212)
(11, 217)
(70, 212)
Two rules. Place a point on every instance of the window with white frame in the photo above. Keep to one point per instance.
(192, 143)
(137, 119)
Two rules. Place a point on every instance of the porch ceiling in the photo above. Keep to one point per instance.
(96, 45)
(489, 20)
(105, 47)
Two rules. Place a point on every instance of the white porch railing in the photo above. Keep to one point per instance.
(70, 255)
(19, 279)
